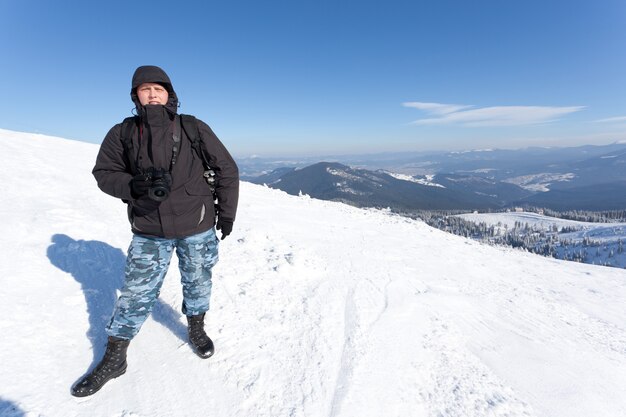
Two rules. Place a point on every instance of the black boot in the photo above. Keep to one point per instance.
(202, 344)
(112, 365)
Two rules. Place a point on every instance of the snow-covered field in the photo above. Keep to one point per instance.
(540, 182)
(318, 309)
(594, 243)
(426, 180)
(542, 222)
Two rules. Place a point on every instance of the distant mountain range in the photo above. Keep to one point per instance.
(577, 178)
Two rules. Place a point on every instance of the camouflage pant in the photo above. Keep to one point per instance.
(146, 265)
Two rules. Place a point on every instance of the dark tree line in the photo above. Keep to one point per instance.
(610, 216)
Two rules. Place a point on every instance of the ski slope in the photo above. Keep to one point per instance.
(318, 309)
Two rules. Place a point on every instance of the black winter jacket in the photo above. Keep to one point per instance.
(188, 210)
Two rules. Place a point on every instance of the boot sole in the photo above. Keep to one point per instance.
(88, 393)
(200, 354)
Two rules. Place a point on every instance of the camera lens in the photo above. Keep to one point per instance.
(159, 191)
(161, 180)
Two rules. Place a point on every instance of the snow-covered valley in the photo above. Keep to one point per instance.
(318, 309)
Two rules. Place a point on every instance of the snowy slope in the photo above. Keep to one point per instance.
(318, 309)
(594, 243)
(541, 222)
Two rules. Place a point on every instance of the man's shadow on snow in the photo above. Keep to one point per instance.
(10, 409)
(99, 268)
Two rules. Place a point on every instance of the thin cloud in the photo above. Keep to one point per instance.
(612, 120)
(436, 108)
(489, 116)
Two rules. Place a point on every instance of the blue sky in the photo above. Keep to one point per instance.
(322, 77)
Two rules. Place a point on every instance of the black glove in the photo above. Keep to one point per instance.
(225, 225)
(140, 184)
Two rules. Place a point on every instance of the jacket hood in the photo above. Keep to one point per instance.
(153, 74)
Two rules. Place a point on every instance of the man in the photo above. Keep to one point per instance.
(151, 164)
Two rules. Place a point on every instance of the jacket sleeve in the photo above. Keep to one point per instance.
(111, 171)
(226, 172)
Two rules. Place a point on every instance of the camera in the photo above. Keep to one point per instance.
(161, 182)
(210, 178)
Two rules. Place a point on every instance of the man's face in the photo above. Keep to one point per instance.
(152, 93)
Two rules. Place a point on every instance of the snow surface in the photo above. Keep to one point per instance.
(602, 232)
(427, 180)
(318, 309)
(595, 243)
(535, 220)
(539, 182)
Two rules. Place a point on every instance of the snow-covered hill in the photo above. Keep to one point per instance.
(541, 222)
(318, 309)
(593, 243)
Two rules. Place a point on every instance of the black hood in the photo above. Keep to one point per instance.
(153, 74)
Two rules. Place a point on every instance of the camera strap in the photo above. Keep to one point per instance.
(176, 139)
(128, 127)
(192, 130)
(132, 124)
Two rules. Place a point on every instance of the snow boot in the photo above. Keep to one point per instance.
(201, 343)
(112, 365)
